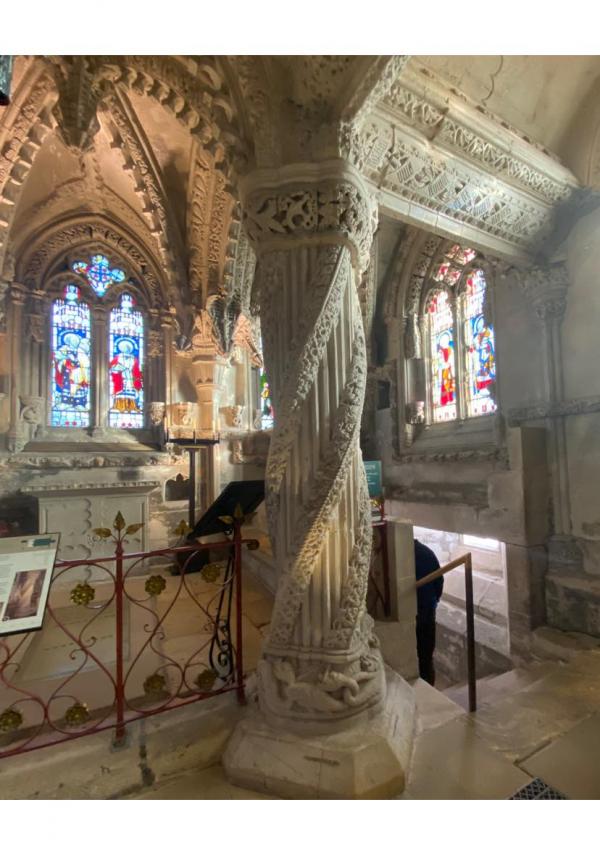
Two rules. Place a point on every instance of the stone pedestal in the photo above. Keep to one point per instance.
(368, 760)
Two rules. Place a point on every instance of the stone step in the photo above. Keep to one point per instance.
(554, 644)
(453, 762)
(496, 687)
(524, 722)
(433, 708)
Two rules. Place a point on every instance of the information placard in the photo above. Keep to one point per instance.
(374, 481)
(26, 565)
(373, 470)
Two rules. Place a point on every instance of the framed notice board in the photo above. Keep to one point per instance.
(26, 565)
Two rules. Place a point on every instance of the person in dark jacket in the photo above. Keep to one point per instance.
(428, 598)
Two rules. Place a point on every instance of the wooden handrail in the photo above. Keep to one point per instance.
(452, 565)
(468, 565)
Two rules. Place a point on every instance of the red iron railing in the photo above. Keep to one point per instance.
(379, 601)
(155, 664)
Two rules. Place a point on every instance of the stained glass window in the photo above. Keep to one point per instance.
(479, 348)
(126, 353)
(6, 63)
(71, 342)
(443, 374)
(267, 418)
(99, 273)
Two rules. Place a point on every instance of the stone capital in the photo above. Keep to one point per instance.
(546, 290)
(326, 202)
(18, 294)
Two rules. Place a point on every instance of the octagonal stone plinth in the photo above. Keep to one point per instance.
(369, 760)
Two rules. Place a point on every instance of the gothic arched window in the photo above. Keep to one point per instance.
(459, 339)
(97, 349)
(267, 418)
(71, 361)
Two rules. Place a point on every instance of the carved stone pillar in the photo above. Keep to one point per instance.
(208, 368)
(546, 287)
(167, 324)
(100, 359)
(17, 297)
(321, 673)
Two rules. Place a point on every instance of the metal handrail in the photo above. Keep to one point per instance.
(468, 565)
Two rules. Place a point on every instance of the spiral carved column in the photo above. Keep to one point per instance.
(320, 663)
(326, 724)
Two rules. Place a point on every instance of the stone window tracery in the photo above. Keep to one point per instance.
(462, 369)
(97, 349)
(457, 344)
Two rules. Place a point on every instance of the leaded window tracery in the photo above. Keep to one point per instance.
(97, 351)
(459, 339)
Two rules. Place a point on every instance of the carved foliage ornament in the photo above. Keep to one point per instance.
(333, 207)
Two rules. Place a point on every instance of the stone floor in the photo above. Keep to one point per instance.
(205, 784)
(541, 722)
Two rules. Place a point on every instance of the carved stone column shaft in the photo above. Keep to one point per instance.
(15, 331)
(547, 290)
(319, 664)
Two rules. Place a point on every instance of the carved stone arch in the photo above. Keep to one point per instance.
(428, 250)
(249, 80)
(26, 123)
(193, 90)
(129, 139)
(37, 259)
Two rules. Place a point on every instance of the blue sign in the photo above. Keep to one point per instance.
(373, 470)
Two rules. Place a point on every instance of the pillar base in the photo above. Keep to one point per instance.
(367, 761)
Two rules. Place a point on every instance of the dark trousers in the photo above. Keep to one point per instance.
(426, 644)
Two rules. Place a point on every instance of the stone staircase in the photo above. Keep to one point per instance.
(540, 720)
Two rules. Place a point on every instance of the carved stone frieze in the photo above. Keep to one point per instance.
(546, 410)
(436, 120)
(373, 84)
